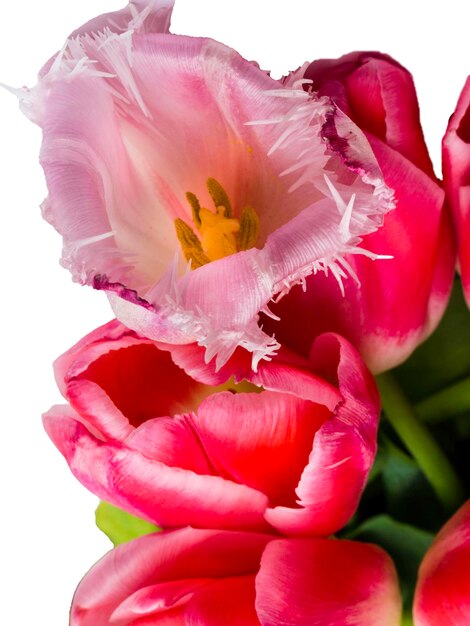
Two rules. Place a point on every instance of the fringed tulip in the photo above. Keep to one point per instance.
(443, 590)
(202, 577)
(292, 456)
(395, 304)
(456, 171)
(194, 188)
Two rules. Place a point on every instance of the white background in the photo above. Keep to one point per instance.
(47, 525)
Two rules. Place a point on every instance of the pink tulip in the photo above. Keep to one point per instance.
(456, 170)
(399, 302)
(443, 591)
(207, 577)
(145, 436)
(165, 153)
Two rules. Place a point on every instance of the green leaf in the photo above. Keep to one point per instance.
(120, 526)
(406, 545)
(444, 358)
(408, 494)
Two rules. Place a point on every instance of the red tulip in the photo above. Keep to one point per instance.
(456, 170)
(443, 590)
(145, 436)
(205, 577)
(396, 303)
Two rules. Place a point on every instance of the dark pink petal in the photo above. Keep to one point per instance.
(167, 496)
(321, 582)
(443, 591)
(379, 95)
(229, 601)
(182, 555)
(343, 450)
(117, 380)
(286, 372)
(456, 172)
(371, 315)
(260, 440)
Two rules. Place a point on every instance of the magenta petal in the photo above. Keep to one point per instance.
(150, 489)
(321, 582)
(286, 372)
(117, 380)
(379, 95)
(371, 315)
(456, 172)
(343, 449)
(443, 591)
(182, 555)
(260, 440)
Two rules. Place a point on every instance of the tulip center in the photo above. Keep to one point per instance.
(216, 233)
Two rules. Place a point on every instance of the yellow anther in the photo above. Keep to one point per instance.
(249, 229)
(190, 244)
(220, 233)
(195, 206)
(219, 196)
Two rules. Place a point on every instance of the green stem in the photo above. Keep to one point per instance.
(420, 443)
(445, 404)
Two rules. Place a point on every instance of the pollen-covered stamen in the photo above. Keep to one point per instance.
(221, 234)
(190, 244)
(249, 229)
(219, 196)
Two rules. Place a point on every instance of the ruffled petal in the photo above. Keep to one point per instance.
(326, 583)
(343, 449)
(149, 16)
(443, 591)
(185, 555)
(304, 167)
(149, 488)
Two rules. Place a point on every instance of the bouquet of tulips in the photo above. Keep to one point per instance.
(274, 434)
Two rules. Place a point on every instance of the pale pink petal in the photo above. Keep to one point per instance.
(182, 555)
(343, 449)
(321, 582)
(443, 591)
(151, 16)
(114, 194)
(167, 496)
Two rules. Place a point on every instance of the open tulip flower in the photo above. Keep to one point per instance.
(443, 590)
(379, 96)
(291, 456)
(191, 186)
(211, 578)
